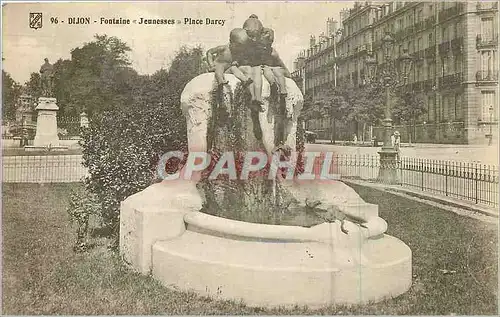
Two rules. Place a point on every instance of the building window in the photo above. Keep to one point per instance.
(452, 110)
(488, 101)
(444, 33)
(444, 101)
(432, 70)
(417, 74)
(458, 64)
(458, 107)
(445, 66)
(487, 28)
(457, 29)
(451, 34)
(431, 109)
(430, 40)
(488, 62)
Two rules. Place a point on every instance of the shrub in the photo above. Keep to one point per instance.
(81, 206)
(121, 149)
(121, 146)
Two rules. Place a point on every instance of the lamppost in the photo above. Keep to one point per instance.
(391, 74)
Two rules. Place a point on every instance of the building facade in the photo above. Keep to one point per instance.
(454, 46)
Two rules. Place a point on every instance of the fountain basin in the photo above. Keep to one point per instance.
(272, 265)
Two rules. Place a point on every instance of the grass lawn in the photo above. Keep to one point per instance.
(42, 274)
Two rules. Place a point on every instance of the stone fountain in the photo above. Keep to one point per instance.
(231, 239)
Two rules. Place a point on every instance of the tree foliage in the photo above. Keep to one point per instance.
(408, 107)
(364, 104)
(34, 86)
(348, 103)
(10, 94)
(98, 77)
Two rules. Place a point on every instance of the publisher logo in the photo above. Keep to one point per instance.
(35, 20)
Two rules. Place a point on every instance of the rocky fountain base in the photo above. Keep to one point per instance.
(163, 232)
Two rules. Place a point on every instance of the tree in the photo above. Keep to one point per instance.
(363, 104)
(407, 107)
(10, 94)
(34, 86)
(366, 105)
(186, 63)
(63, 76)
(97, 78)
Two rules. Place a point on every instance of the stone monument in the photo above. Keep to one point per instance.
(46, 126)
(231, 239)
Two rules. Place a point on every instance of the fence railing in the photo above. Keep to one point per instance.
(68, 128)
(474, 182)
(43, 169)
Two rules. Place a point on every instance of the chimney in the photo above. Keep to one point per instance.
(331, 27)
(335, 26)
(322, 38)
(312, 41)
(344, 14)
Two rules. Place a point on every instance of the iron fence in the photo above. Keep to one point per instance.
(43, 169)
(474, 182)
(68, 128)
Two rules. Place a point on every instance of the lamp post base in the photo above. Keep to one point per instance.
(388, 172)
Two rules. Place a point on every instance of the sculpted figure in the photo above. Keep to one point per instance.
(224, 63)
(249, 55)
(47, 78)
(244, 42)
(273, 67)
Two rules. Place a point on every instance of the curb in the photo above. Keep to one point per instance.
(487, 211)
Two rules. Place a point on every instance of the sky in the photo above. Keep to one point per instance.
(153, 46)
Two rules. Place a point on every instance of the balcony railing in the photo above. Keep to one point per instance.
(416, 86)
(457, 44)
(485, 75)
(448, 13)
(430, 52)
(444, 47)
(486, 42)
(430, 21)
(428, 84)
(450, 80)
(419, 55)
(419, 26)
(486, 6)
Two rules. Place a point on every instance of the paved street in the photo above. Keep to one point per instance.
(459, 153)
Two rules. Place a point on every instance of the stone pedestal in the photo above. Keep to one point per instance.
(84, 120)
(46, 126)
(388, 172)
